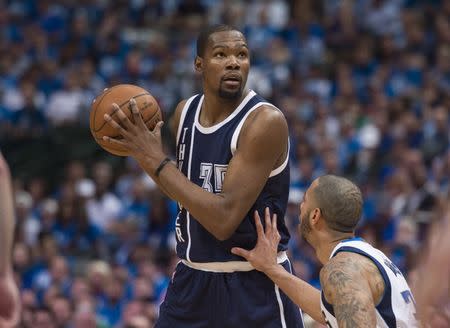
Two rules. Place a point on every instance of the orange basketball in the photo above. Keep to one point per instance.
(121, 95)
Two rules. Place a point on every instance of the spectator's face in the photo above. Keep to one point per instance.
(102, 175)
(49, 247)
(75, 171)
(27, 318)
(138, 322)
(85, 320)
(21, 256)
(225, 64)
(42, 319)
(28, 299)
(51, 293)
(59, 269)
(80, 290)
(114, 290)
(62, 311)
(132, 309)
(143, 289)
(139, 191)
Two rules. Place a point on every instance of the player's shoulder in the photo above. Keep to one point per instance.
(342, 274)
(267, 111)
(348, 266)
(266, 117)
(343, 265)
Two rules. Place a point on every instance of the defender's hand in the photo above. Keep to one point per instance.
(264, 256)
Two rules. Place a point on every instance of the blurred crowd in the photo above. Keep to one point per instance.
(364, 85)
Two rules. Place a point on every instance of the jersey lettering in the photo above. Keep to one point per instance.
(206, 172)
(178, 233)
(182, 150)
(219, 176)
(408, 297)
(184, 134)
(205, 175)
(393, 267)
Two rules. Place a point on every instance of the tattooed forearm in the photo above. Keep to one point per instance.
(348, 291)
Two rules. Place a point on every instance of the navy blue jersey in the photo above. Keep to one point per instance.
(203, 154)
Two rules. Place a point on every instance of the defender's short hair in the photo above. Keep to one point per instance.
(204, 35)
(340, 202)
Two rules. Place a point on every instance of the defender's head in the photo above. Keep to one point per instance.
(332, 204)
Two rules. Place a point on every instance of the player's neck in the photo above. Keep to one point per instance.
(215, 109)
(325, 247)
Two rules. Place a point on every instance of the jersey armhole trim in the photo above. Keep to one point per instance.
(237, 132)
(183, 117)
(374, 261)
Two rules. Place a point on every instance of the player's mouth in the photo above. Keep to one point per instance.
(232, 80)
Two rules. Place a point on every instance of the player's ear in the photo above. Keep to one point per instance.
(198, 64)
(316, 214)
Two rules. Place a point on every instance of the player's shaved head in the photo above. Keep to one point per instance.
(340, 202)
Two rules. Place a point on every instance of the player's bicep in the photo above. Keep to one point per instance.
(349, 293)
(354, 308)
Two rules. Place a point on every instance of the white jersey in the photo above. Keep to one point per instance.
(397, 307)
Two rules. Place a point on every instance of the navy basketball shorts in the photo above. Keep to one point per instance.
(202, 299)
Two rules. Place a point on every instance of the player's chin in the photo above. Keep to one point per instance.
(230, 93)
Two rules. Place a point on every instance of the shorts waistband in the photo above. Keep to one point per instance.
(230, 266)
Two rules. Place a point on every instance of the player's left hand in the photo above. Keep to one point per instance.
(141, 143)
(264, 256)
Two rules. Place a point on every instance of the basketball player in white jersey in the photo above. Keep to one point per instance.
(361, 287)
(9, 294)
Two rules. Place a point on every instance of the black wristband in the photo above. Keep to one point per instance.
(161, 166)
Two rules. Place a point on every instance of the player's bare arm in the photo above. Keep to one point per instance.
(6, 217)
(9, 313)
(264, 258)
(432, 284)
(261, 146)
(345, 283)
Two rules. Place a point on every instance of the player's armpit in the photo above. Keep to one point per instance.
(346, 288)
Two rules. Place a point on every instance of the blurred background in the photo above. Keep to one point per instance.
(364, 85)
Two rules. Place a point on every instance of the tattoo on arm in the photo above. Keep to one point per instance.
(347, 289)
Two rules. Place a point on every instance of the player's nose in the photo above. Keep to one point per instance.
(233, 63)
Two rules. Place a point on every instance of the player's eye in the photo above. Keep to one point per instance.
(219, 55)
(242, 55)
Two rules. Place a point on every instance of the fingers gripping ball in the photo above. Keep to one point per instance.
(121, 95)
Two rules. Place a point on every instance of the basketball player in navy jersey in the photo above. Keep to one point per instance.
(9, 294)
(361, 287)
(232, 159)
